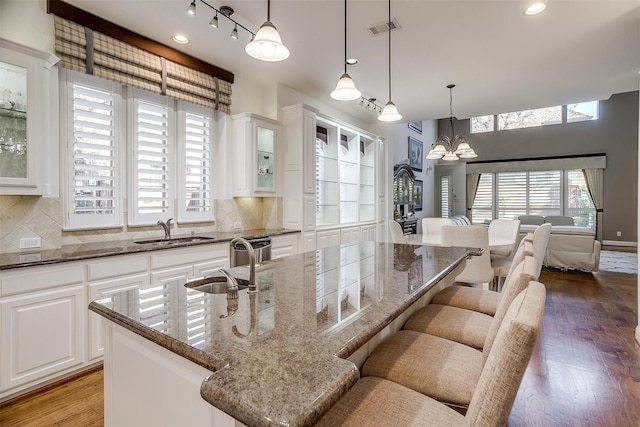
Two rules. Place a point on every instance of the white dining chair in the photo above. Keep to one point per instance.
(478, 268)
(540, 241)
(397, 235)
(504, 229)
(431, 228)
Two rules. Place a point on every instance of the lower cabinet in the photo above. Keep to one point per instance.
(284, 245)
(41, 336)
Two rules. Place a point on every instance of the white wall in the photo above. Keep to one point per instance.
(26, 22)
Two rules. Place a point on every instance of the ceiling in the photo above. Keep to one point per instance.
(499, 58)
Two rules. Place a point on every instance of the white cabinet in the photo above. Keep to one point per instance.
(284, 245)
(349, 235)
(368, 232)
(41, 335)
(27, 133)
(327, 238)
(255, 151)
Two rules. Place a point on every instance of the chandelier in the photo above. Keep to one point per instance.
(451, 147)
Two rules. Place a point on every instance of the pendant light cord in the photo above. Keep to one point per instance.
(269, 10)
(453, 132)
(345, 36)
(389, 25)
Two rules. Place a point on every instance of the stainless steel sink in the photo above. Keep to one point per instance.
(190, 239)
(214, 284)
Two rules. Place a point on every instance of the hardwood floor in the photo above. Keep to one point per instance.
(585, 370)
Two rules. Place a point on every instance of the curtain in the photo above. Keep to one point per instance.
(595, 184)
(82, 49)
(473, 179)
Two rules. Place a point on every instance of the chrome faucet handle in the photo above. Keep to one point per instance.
(169, 227)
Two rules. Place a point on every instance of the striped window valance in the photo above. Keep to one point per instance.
(82, 49)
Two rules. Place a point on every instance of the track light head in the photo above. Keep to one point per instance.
(214, 21)
(191, 10)
(234, 33)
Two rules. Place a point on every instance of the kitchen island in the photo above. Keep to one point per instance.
(283, 356)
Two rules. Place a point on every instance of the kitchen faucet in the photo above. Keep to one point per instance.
(232, 294)
(253, 287)
(167, 228)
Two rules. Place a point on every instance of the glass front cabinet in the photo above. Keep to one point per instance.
(345, 178)
(255, 154)
(26, 134)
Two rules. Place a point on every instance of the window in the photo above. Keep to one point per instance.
(534, 193)
(445, 189)
(578, 112)
(530, 118)
(168, 163)
(582, 112)
(482, 124)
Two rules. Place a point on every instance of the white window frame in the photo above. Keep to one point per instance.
(72, 221)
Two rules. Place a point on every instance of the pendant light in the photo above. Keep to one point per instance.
(345, 89)
(389, 112)
(267, 44)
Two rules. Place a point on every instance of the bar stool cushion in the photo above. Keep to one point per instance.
(457, 324)
(481, 300)
(375, 402)
(441, 369)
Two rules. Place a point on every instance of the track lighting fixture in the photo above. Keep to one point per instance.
(345, 89)
(191, 10)
(234, 33)
(214, 21)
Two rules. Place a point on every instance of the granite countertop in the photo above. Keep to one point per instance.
(122, 247)
(280, 358)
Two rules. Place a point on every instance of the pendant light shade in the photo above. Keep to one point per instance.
(390, 112)
(267, 44)
(345, 89)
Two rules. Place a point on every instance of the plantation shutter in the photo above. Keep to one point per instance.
(482, 211)
(545, 193)
(511, 189)
(155, 311)
(93, 166)
(151, 173)
(82, 49)
(444, 197)
(195, 190)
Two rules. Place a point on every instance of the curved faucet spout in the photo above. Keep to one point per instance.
(253, 287)
(166, 227)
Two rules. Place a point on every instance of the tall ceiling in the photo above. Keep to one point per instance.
(499, 58)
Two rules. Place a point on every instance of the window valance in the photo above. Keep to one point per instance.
(83, 49)
(588, 161)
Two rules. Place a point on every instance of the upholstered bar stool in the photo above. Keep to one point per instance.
(481, 300)
(374, 401)
(467, 326)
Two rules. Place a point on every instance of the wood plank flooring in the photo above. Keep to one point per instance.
(584, 372)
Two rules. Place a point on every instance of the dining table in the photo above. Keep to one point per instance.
(495, 243)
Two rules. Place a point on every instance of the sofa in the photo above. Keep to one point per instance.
(570, 246)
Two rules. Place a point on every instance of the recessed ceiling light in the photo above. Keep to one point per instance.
(352, 61)
(179, 38)
(535, 9)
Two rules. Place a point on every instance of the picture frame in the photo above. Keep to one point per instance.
(415, 154)
(416, 126)
(417, 195)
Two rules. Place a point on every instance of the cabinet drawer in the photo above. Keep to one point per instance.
(31, 279)
(194, 254)
(118, 266)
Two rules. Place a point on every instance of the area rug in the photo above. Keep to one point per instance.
(619, 262)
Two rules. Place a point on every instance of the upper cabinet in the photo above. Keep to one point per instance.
(255, 150)
(26, 128)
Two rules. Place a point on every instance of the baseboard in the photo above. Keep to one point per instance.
(619, 243)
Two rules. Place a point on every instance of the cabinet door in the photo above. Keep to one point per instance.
(266, 136)
(41, 334)
(285, 245)
(104, 289)
(24, 119)
(328, 238)
(348, 235)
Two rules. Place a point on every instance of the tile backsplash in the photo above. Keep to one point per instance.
(35, 216)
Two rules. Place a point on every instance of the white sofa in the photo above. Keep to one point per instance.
(570, 246)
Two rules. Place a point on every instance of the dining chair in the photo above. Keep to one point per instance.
(478, 268)
(505, 229)
(503, 266)
(379, 401)
(540, 241)
(397, 235)
(432, 228)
